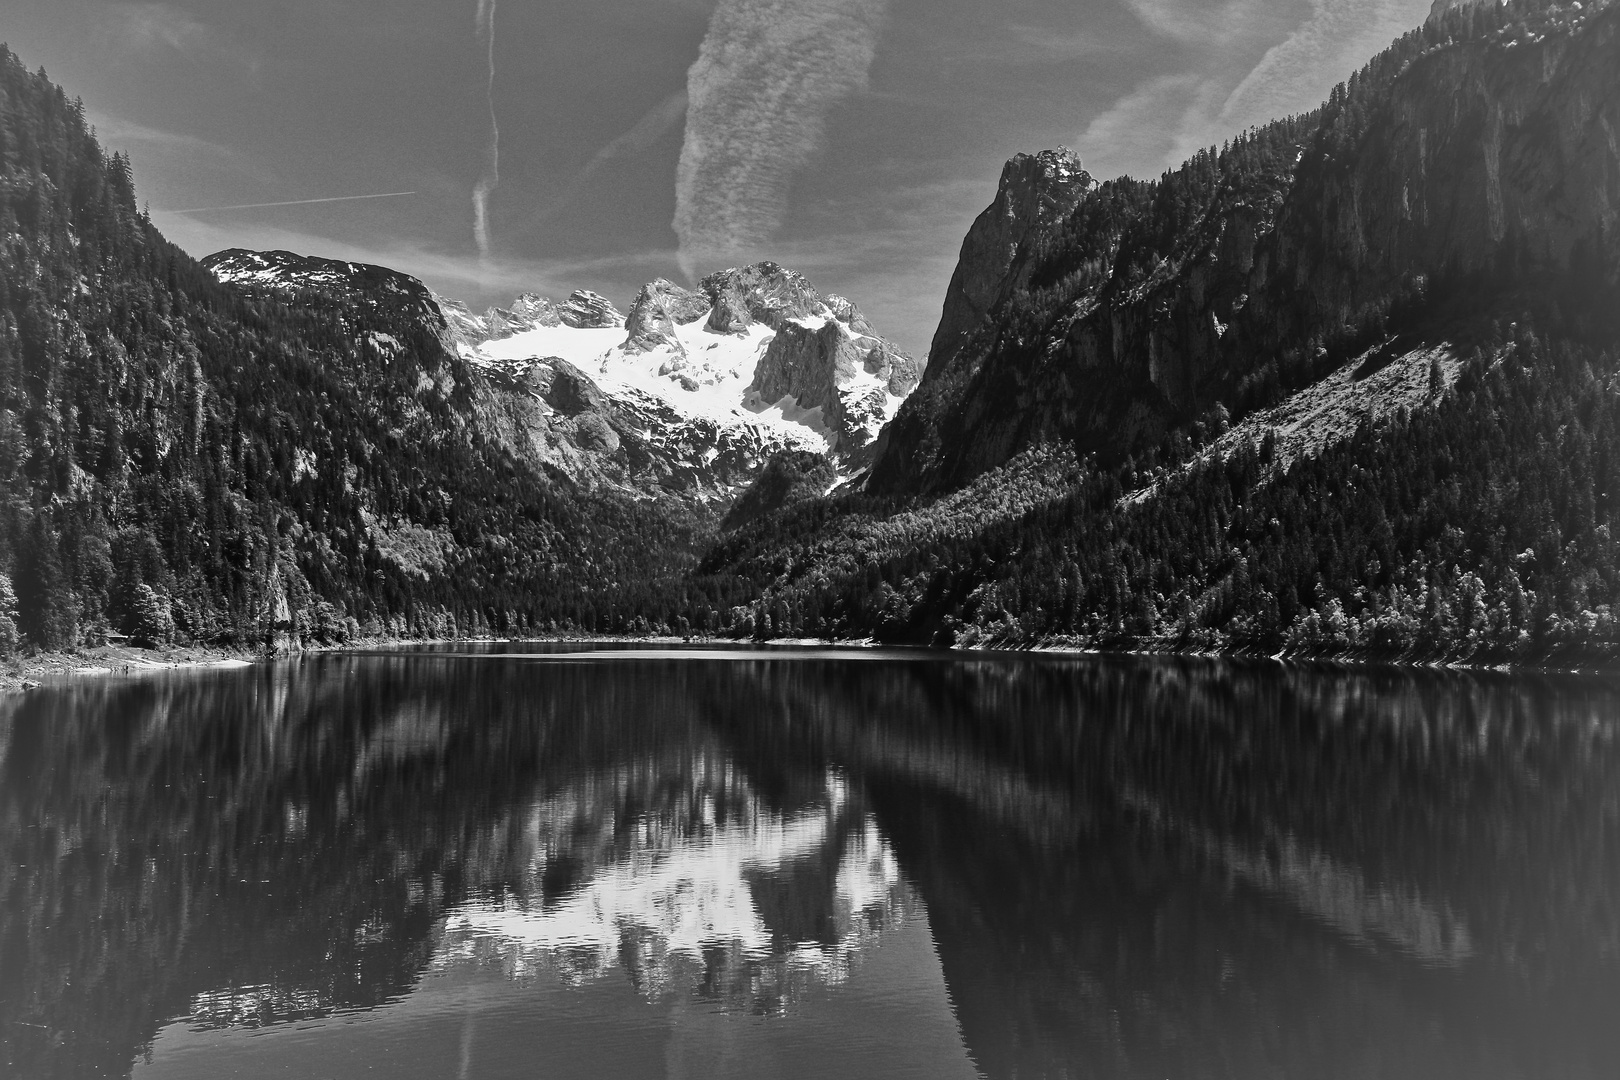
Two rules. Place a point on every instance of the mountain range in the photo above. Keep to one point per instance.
(1344, 385)
(691, 393)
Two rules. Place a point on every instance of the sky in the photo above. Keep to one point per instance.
(549, 145)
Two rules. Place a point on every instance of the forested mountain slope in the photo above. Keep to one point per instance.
(180, 459)
(1346, 385)
(1475, 156)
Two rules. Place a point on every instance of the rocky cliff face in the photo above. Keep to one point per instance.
(658, 309)
(824, 356)
(1440, 7)
(582, 310)
(1037, 192)
(764, 293)
(1485, 151)
(1479, 150)
(853, 379)
(1036, 195)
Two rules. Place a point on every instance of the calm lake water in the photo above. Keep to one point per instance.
(809, 863)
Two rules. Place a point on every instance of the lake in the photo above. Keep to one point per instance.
(577, 861)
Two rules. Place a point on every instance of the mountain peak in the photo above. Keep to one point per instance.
(585, 310)
(287, 271)
(1036, 192)
(659, 307)
(764, 292)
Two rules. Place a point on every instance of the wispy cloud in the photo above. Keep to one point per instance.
(1199, 22)
(766, 77)
(116, 133)
(643, 137)
(1299, 72)
(179, 168)
(291, 202)
(1042, 45)
(148, 27)
(151, 32)
(1220, 90)
(484, 22)
(1143, 129)
(1023, 43)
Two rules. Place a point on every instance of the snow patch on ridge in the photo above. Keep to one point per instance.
(704, 376)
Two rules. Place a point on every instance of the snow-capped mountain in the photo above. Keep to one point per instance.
(754, 347)
(690, 393)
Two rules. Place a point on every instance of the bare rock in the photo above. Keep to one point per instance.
(587, 310)
(659, 308)
(764, 293)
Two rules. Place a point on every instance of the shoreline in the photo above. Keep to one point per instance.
(23, 673)
(1600, 664)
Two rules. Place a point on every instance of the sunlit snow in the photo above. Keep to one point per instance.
(706, 378)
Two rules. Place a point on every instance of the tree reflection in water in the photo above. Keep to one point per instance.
(1129, 867)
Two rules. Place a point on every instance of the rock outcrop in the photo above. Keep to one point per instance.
(585, 309)
(658, 309)
(850, 378)
(527, 312)
(762, 293)
(530, 311)
(1035, 194)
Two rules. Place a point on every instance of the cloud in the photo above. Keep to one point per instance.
(293, 202)
(643, 137)
(148, 27)
(1026, 44)
(767, 75)
(1219, 90)
(1145, 126)
(115, 133)
(1298, 73)
(154, 33)
(484, 23)
(1201, 23)
(1041, 44)
(176, 168)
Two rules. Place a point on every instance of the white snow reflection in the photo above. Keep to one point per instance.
(731, 900)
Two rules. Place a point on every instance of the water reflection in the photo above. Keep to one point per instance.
(1126, 868)
(713, 890)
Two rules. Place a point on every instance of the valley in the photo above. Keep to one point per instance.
(1343, 386)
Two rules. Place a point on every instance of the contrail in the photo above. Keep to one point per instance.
(492, 163)
(290, 202)
(766, 78)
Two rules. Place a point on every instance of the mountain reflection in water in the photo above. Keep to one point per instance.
(689, 886)
(782, 863)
